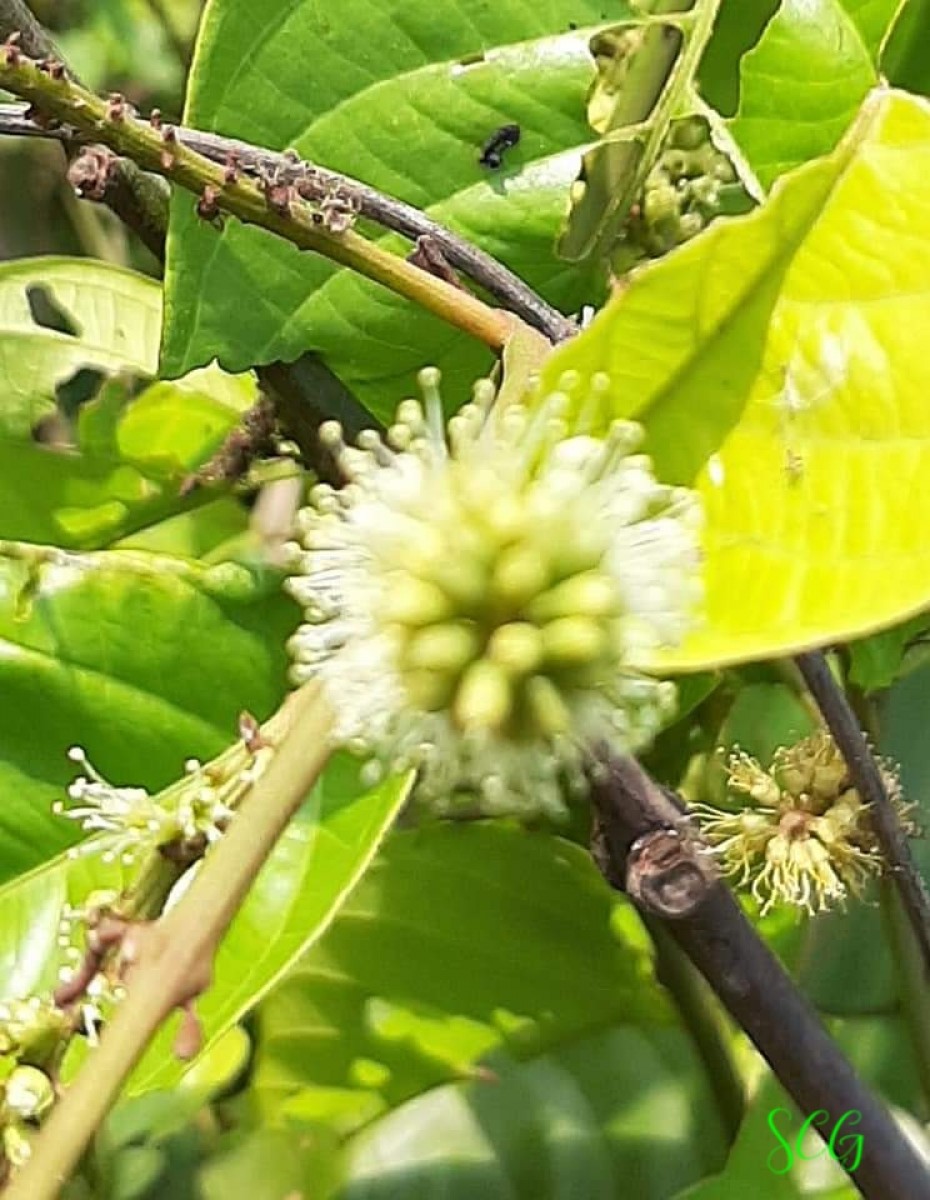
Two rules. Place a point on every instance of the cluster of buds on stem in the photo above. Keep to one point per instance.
(682, 191)
(191, 813)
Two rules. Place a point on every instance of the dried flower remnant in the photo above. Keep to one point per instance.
(805, 837)
(475, 599)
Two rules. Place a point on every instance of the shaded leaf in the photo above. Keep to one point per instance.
(802, 85)
(877, 661)
(142, 660)
(619, 1113)
(738, 27)
(905, 61)
(460, 939)
(403, 95)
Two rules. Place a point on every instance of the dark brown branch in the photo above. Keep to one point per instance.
(17, 17)
(746, 976)
(139, 199)
(867, 778)
(386, 211)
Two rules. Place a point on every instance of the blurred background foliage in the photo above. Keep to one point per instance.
(588, 1087)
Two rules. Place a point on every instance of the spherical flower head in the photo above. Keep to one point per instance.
(476, 600)
(805, 837)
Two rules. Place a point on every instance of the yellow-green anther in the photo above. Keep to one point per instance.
(506, 519)
(582, 551)
(549, 712)
(410, 600)
(428, 690)
(517, 647)
(590, 594)
(464, 579)
(573, 641)
(448, 647)
(484, 698)
(519, 575)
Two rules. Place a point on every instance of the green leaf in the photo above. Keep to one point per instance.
(776, 362)
(144, 661)
(622, 1112)
(802, 85)
(877, 661)
(459, 940)
(118, 466)
(312, 869)
(748, 1171)
(402, 94)
(905, 61)
(307, 880)
(738, 27)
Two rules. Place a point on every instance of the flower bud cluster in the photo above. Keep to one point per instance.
(682, 191)
(194, 811)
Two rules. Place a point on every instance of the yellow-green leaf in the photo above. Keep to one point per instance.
(778, 363)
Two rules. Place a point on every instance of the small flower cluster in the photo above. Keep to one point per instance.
(194, 810)
(681, 194)
(475, 599)
(33, 1033)
(805, 837)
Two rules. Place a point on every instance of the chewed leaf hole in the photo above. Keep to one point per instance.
(47, 312)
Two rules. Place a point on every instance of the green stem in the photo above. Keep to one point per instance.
(704, 1021)
(168, 967)
(912, 983)
(159, 151)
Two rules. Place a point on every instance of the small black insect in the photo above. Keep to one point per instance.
(493, 153)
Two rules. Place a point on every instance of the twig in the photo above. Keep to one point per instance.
(716, 936)
(138, 199)
(867, 778)
(508, 289)
(171, 966)
(271, 202)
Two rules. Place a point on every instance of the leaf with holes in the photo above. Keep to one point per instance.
(777, 361)
(802, 85)
(403, 95)
(84, 476)
(645, 76)
(144, 661)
